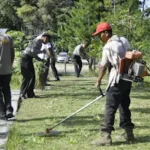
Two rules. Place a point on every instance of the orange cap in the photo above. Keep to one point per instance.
(102, 27)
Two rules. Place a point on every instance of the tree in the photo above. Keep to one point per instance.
(129, 21)
(9, 18)
(78, 24)
(41, 15)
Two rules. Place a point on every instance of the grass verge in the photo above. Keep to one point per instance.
(62, 99)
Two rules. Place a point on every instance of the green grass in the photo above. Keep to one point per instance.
(62, 99)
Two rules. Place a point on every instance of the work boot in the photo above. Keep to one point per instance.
(105, 139)
(57, 79)
(9, 114)
(128, 135)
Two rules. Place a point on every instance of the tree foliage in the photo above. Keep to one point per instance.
(130, 22)
(78, 24)
(73, 21)
(41, 15)
(9, 18)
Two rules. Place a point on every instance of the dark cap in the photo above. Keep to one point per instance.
(47, 35)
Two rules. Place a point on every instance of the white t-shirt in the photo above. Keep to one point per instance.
(113, 51)
(77, 50)
(44, 46)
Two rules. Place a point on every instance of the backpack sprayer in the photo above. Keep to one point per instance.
(132, 67)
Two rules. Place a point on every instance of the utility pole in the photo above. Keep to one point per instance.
(114, 5)
(143, 5)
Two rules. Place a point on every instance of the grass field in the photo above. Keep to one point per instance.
(62, 99)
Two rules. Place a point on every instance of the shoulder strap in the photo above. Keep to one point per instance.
(1, 43)
(122, 44)
(117, 59)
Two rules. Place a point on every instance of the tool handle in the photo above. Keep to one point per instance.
(49, 129)
(101, 93)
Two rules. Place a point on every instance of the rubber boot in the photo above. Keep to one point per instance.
(128, 135)
(105, 139)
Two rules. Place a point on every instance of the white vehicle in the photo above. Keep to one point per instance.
(84, 62)
(62, 57)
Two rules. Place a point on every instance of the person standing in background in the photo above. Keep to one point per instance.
(44, 76)
(53, 61)
(76, 57)
(7, 55)
(50, 60)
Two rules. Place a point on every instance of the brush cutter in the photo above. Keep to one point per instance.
(49, 131)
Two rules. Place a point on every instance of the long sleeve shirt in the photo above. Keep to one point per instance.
(34, 48)
(6, 54)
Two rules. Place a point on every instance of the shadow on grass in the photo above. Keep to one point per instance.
(80, 121)
(79, 85)
(75, 120)
(43, 133)
(142, 127)
(141, 97)
(143, 139)
(142, 110)
(77, 79)
(94, 94)
(140, 89)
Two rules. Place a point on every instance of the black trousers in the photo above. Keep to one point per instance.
(47, 64)
(5, 93)
(118, 97)
(77, 64)
(53, 67)
(28, 73)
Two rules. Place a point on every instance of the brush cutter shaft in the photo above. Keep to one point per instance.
(78, 111)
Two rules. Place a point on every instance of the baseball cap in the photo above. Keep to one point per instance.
(104, 26)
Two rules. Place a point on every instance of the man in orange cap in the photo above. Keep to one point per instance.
(118, 90)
